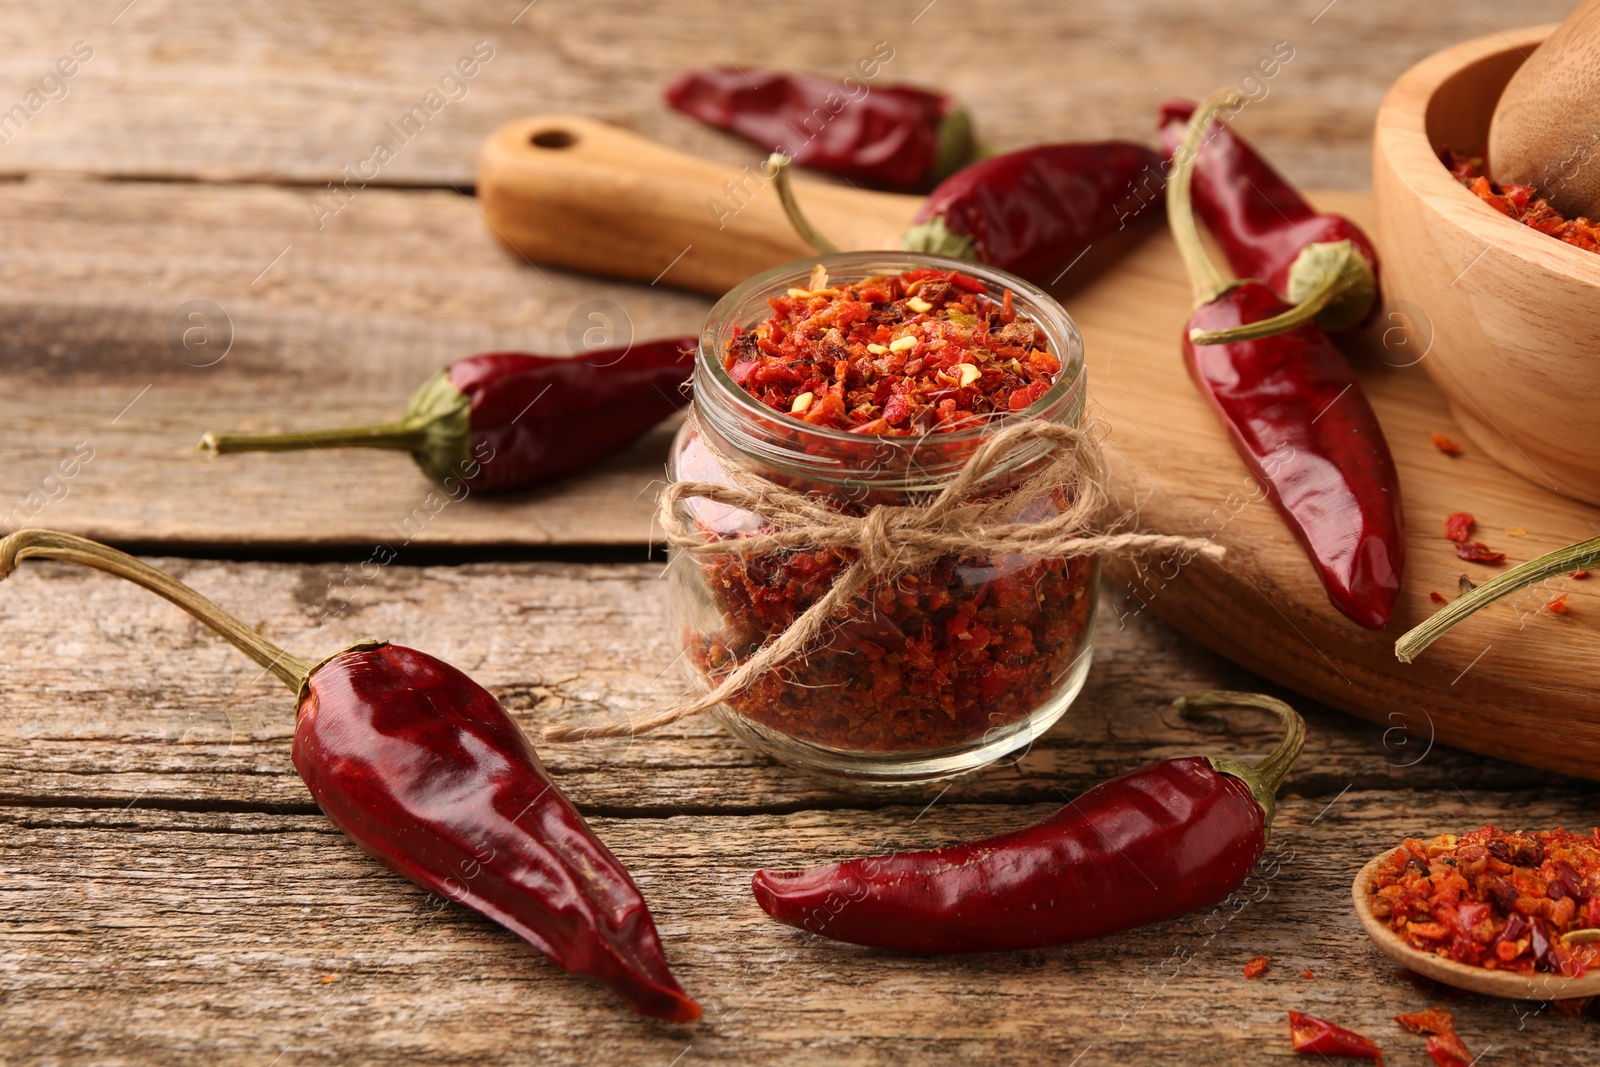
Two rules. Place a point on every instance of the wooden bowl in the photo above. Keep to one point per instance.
(1509, 318)
(1475, 979)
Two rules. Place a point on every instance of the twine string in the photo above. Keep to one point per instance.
(890, 541)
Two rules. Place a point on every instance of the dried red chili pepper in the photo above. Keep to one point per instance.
(1267, 230)
(1033, 212)
(1299, 419)
(423, 768)
(1256, 967)
(1168, 839)
(895, 137)
(510, 420)
(1307, 1033)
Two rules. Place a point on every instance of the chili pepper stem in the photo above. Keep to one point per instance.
(1264, 777)
(778, 164)
(292, 671)
(1207, 280)
(1581, 556)
(405, 436)
(1296, 316)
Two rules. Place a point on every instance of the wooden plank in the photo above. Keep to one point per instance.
(110, 697)
(143, 937)
(297, 91)
(327, 328)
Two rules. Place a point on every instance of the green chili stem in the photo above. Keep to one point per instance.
(1581, 556)
(1207, 280)
(292, 671)
(405, 436)
(1302, 313)
(779, 165)
(1265, 777)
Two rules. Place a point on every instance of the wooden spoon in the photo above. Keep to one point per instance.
(1536, 986)
(1546, 127)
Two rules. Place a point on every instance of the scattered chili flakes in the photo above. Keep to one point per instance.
(1256, 967)
(1578, 575)
(1437, 598)
(1307, 973)
(1572, 1006)
(1558, 606)
(1522, 203)
(1428, 1021)
(1446, 445)
(1501, 901)
(1458, 526)
(1448, 1051)
(1307, 1033)
(1478, 552)
(325, 979)
(1516, 531)
(894, 355)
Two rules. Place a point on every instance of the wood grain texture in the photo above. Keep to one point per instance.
(112, 697)
(235, 938)
(164, 94)
(327, 328)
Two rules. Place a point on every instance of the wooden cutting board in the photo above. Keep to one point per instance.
(1517, 681)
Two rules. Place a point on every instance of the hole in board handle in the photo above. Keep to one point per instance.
(552, 139)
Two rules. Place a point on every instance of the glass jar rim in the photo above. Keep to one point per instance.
(1063, 400)
(1063, 329)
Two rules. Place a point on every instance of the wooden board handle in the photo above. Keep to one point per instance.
(584, 194)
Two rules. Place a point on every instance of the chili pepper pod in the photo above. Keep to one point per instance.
(423, 768)
(1171, 838)
(1297, 417)
(1033, 212)
(1267, 230)
(511, 420)
(894, 137)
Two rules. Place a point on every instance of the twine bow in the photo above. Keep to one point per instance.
(890, 541)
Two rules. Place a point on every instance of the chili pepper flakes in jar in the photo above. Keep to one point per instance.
(866, 380)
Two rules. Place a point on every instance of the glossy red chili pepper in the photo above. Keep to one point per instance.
(423, 768)
(1171, 838)
(1033, 212)
(1267, 230)
(895, 137)
(1297, 416)
(510, 420)
(1307, 1033)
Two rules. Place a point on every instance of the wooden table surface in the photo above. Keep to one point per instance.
(169, 892)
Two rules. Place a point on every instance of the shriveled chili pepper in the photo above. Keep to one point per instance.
(895, 137)
(510, 420)
(1266, 229)
(1033, 212)
(1298, 418)
(423, 768)
(1165, 840)
(1307, 1033)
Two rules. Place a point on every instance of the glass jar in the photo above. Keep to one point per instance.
(929, 675)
